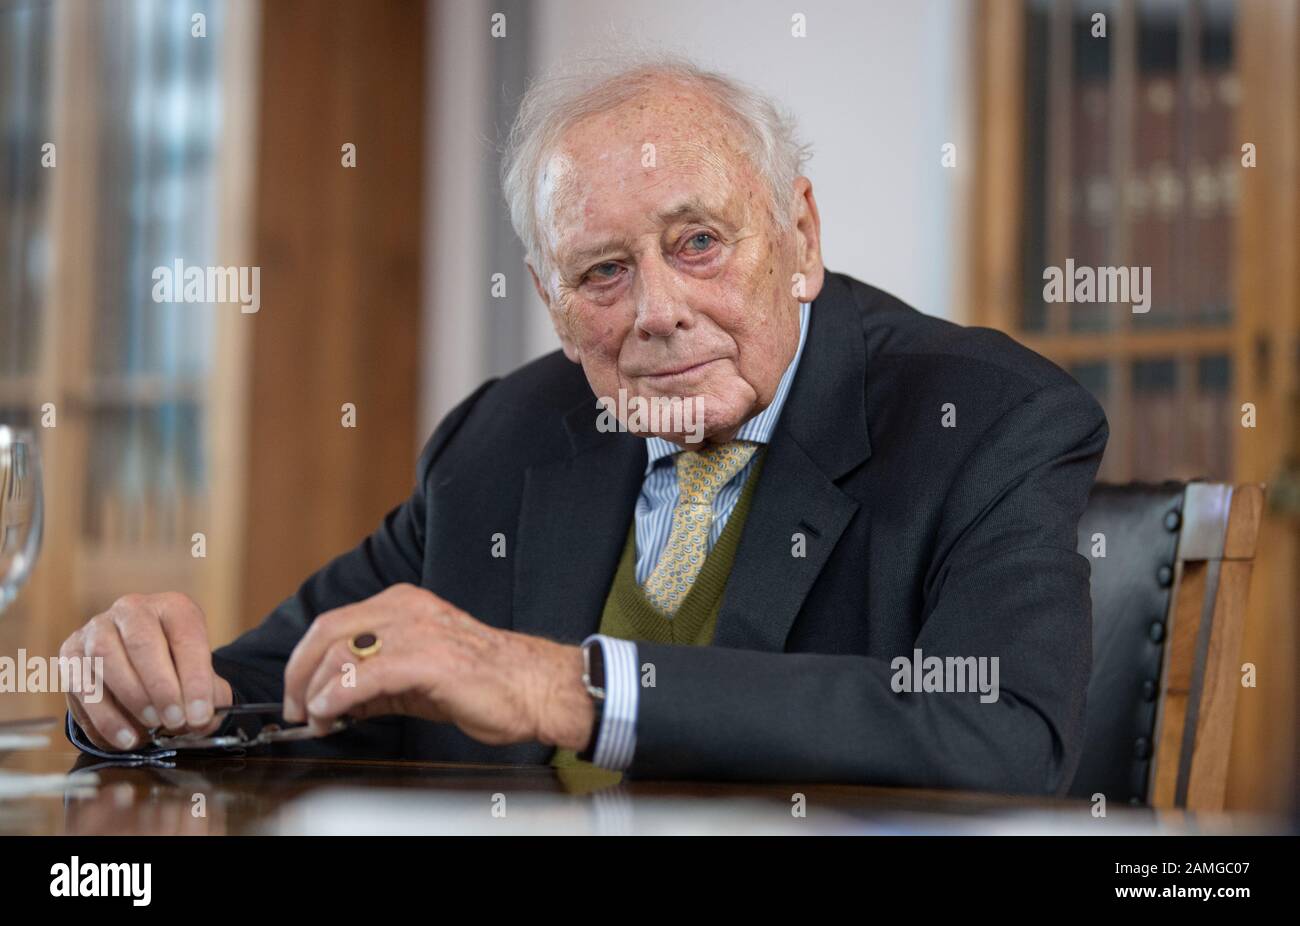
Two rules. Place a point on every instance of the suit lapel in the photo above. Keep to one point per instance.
(820, 437)
(573, 523)
(768, 582)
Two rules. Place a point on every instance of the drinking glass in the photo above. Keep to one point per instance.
(21, 510)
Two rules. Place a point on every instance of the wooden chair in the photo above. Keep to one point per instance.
(1169, 605)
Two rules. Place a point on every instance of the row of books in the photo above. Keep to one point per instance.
(1180, 197)
(1169, 435)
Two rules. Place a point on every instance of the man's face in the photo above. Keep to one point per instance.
(668, 274)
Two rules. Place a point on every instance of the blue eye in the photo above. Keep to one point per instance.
(608, 270)
(701, 242)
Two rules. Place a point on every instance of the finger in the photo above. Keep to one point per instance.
(116, 730)
(83, 720)
(329, 628)
(105, 639)
(74, 647)
(222, 697)
(107, 664)
(338, 666)
(187, 633)
(374, 678)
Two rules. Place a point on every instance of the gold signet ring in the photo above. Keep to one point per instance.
(364, 645)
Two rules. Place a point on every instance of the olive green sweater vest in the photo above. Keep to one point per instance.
(630, 616)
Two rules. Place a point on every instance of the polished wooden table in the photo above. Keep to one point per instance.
(243, 795)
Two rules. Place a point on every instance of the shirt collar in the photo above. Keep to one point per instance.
(757, 429)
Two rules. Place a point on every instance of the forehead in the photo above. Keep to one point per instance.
(604, 174)
(661, 109)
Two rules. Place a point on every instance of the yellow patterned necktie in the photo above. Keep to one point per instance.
(701, 474)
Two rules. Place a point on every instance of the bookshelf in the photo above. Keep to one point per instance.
(1125, 155)
(1126, 150)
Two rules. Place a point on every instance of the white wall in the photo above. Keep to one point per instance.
(878, 86)
(452, 209)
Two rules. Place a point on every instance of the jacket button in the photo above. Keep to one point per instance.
(1156, 631)
(1172, 520)
(1141, 748)
(1149, 690)
(1165, 576)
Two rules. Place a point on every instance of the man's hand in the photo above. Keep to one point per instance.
(157, 671)
(439, 663)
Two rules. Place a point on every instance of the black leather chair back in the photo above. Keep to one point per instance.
(1131, 590)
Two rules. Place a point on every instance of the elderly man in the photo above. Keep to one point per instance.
(844, 551)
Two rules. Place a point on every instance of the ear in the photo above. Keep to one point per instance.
(566, 342)
(808, 233)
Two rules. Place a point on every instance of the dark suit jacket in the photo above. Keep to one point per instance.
(959, 541)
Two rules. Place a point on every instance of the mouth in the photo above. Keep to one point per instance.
(687, 370)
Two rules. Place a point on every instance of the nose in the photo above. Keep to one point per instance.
(660, 304)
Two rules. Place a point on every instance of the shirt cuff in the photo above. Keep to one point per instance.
(616, 738)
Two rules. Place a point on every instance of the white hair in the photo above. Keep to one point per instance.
(555, 102)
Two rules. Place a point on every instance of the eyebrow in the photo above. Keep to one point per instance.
(689, 208)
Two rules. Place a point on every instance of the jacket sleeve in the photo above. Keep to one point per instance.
(254, 663)
(1004, 581)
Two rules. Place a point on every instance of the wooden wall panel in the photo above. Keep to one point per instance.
(339, 255)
